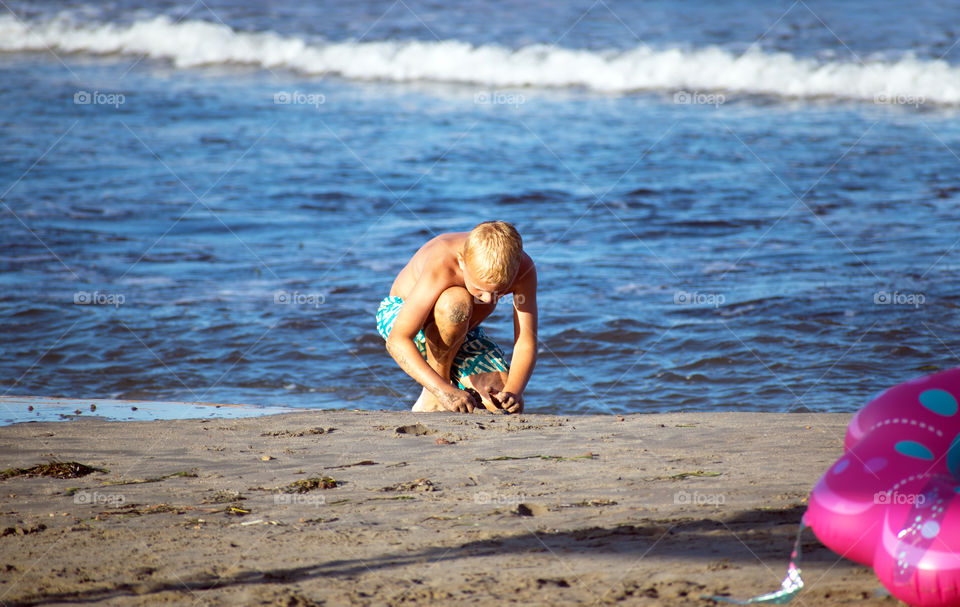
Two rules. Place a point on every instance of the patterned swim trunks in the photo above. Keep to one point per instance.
(478, 354)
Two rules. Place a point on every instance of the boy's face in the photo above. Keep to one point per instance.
(482, 291)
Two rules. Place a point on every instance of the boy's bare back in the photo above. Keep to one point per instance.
(441, 253)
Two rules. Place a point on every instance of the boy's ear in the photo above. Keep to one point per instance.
(460, 260)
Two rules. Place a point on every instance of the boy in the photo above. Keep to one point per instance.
(431, 319)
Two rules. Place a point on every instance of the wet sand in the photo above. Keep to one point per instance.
(417, 509)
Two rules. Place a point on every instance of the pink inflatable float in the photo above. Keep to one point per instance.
(892, 502)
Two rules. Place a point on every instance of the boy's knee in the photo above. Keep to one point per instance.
(455, 305)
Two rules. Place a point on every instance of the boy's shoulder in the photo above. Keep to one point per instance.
(449, 243)
(527, 270)
(440, 251)
(438, 257)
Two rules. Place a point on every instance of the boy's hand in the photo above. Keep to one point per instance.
(459, 401)
(510, 402)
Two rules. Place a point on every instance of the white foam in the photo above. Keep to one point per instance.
(196, 43)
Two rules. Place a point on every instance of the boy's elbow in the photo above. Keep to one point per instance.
(392, 343)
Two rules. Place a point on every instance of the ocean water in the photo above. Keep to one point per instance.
(737, 206)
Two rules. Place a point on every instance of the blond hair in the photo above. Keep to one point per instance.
(493, 251)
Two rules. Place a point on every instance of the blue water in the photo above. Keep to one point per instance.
(752, 251)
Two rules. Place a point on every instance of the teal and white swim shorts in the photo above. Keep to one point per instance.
(478, 354)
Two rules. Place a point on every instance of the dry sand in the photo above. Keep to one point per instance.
(639, 510)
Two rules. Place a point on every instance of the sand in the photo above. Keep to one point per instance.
(417, 509)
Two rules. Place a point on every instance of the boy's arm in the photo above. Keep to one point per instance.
(525, 341)
(400, 344)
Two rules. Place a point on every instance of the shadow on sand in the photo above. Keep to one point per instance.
(750, 537)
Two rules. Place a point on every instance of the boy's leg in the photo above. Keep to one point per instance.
(481, 365)
(445, 330)
(485, 383)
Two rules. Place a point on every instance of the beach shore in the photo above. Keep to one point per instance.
(386, 508)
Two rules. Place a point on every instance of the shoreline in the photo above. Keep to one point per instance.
(25, 409)
(420, 508)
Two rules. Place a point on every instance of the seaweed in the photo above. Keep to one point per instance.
(298, 433)
(128, 510)
(683, 475)
(53, 469)
(223, 497)
(365, 462)
(22, 530)
(420, 484)
(155, 479)
(559, 458)
(309, 484)
(594, 503)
